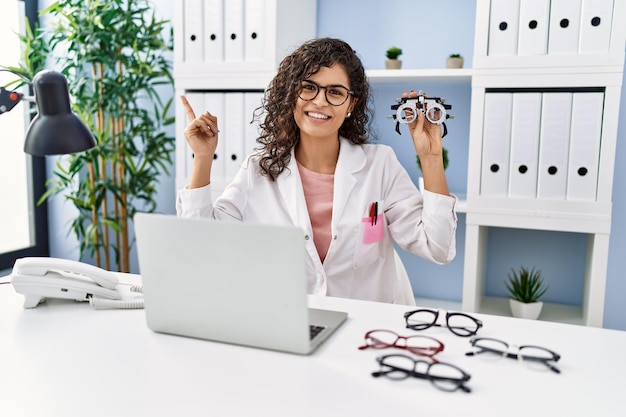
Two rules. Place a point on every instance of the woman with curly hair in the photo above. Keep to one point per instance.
(315, 169)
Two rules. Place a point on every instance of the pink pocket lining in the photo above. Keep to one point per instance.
(372, 233)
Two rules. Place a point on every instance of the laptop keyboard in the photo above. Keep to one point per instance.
(315, 330)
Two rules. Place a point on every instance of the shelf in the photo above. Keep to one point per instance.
(550, 312)
(385, 76)
(442, 304)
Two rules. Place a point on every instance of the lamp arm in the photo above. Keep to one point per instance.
(8, 98)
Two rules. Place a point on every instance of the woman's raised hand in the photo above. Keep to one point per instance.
(201, 132)
(427, 137)
(428, 142)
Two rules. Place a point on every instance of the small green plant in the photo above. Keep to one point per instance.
(526, 285)
(455, 55)
(393, 53)
(444, 153)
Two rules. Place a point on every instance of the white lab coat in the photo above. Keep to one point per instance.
(422, 224)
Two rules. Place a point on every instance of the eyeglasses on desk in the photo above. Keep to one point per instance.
(460, 324)
(417, 344)
(445, 376)
(536, 357)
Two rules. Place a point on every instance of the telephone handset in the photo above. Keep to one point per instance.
(38, 278)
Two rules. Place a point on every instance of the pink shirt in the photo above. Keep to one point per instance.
(318, 193)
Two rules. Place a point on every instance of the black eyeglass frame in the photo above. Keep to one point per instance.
(435, 313)
(512, 355)
(459, 383)
(428, 352)
(351, 93)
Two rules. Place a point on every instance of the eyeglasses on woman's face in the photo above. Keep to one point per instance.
(335, 95)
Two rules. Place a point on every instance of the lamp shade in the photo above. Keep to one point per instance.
(55, 129)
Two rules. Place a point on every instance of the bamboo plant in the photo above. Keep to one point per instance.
(112, 53)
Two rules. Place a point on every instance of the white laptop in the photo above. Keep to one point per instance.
(229, 282)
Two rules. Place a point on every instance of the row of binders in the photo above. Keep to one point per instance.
(543, 145)
(554, 27)
(223, 30)
(237, 138)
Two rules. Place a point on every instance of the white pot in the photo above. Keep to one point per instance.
(529, 311)
(393, 64)
(456, 62)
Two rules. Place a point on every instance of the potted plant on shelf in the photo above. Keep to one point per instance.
(454, 61)
(392, 58)
(525, 288)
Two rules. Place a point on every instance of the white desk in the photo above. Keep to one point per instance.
(67, 359)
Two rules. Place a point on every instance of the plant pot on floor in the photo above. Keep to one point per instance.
(529, 311)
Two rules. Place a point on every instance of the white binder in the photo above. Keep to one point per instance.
(214, 104)
(533, 27)
(196, 101)
(251, 102)
(554, 145)
(525, 126)
(193, 31)
(254, 31)
(503, 27)
(496, 144)
(564, 27)
(584, 154)
(233, 30)
(233, 136)
(213, 30)
(595, 26)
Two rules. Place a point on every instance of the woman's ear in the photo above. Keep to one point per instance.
(352, 105)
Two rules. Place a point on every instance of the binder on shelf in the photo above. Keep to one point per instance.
(554, 145)
(233, 30)
(193, 31)
(564, 27)
(533, 27)
(595, 26)
(584, 154)
(503, 27)
(252, 101)
(233, 136)
(214, 104)
(525, 128)
(496, 144)
(213, 30)
(254, 31)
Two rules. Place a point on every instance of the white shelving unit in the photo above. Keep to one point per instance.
(593, 218)
(602, 70)
(451, 76)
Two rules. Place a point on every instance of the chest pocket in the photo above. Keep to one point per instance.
(369, 244)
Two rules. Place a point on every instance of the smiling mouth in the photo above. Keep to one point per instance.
(318, 116)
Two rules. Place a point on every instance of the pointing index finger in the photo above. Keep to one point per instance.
(188, 110)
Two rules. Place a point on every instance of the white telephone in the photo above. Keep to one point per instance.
(38, 278)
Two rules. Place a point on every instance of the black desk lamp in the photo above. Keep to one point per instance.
(55, 129)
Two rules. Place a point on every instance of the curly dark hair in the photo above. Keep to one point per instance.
(279, 132)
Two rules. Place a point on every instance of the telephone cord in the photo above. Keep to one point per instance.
(104, 303)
